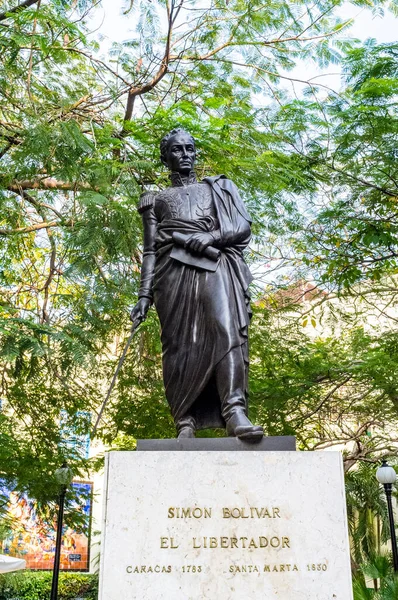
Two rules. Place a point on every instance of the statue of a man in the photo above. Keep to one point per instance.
(194, 272)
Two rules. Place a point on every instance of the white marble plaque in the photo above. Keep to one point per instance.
(225, 526)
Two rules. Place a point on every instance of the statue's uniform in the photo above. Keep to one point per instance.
(204, 315)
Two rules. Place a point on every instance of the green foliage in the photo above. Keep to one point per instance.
(361, 590)
(31, 585)
(385, 581)
(348, 142)
(79, 134)
(327, 390)
(367, 517)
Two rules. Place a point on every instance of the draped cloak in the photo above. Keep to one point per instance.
(203, 314)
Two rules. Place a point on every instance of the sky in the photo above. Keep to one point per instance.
(112, 26)
(383, 29)
(115, 26)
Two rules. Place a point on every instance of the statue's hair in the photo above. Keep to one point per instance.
(165, 141)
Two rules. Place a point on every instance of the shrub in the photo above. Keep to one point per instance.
(379, 569)
(36, 585)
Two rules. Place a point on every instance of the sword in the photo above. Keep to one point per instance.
(134, 328)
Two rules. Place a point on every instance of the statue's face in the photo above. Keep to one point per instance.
(181, 153)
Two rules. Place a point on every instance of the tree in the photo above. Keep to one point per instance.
(367, 515)
(341, 235)
(78, 139)
(332, 388)
(347, 142)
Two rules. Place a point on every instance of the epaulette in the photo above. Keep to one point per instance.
(147, 200)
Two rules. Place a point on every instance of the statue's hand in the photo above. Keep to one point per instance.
(198, 242)
(139, 312)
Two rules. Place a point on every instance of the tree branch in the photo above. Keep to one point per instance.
(143, 89)
(48, 183)
(363, 181)
(22, 6)
(95, 60)
(46, 288)
(28, 81)
(231, 44)
(30, 228)
(36, 203)
(327, 397)
(6, 148)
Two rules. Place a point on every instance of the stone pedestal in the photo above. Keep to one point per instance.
(225, 525)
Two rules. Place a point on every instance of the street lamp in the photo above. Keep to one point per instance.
(387, 476)
(64, 477)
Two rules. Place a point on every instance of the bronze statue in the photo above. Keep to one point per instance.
(194, 272)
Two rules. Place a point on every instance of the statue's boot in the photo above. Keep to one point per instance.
(231, 380)
(238, 425)
(186, 427)
(186, 432)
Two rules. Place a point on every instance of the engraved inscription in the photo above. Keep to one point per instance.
(267, 542)
(242, 542)
(189, 513)
(233, 568)
(282, 568)
(148, 569)
(251, 512)
(166, 542)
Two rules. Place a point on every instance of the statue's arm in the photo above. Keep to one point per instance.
(148, 258)
(145, 293)
(236, 237)
(236, 230)
(226, 238)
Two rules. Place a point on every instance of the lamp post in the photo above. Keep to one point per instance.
(387, 476)
(64, 477)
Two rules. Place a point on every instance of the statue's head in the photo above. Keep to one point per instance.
(177, 151)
